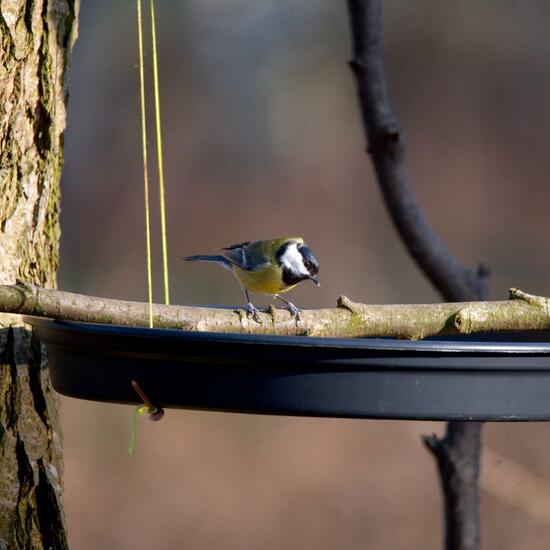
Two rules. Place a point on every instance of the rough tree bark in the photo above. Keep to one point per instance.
(458, 453)
(35, 42)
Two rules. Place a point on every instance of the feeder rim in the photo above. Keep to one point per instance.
(454, 344)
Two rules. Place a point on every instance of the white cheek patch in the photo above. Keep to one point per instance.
(294, 260)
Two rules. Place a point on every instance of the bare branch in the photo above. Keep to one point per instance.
(348, 319)
(386, 147)
(461, 441)
(451, 279)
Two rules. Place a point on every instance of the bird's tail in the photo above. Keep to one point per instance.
(202, 258)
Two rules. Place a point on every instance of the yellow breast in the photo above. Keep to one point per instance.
(264, 281)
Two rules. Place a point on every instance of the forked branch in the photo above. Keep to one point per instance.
(458, 452)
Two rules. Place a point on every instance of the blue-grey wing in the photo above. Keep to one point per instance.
(247, 255)
(238, 245)
(235, 256)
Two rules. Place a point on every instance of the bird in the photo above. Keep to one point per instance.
(270, 266)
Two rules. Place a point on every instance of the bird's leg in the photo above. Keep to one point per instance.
(294, 311)
(251, 309)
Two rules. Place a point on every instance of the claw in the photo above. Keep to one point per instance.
(294, 311)
(253, 311)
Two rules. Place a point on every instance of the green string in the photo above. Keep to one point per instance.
(145, 171)
(159, 156)
(141, 410)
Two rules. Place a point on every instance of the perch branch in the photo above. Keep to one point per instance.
(348, 319)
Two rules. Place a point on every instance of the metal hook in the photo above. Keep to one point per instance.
(155, 413)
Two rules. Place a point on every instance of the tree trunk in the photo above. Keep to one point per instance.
(36, 37)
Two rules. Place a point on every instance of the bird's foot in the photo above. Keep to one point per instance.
(294, 311)
(253, 311)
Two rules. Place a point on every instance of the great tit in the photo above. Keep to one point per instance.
(271, 266)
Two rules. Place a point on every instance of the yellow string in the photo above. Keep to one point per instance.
(145, 172)
(141, 410)
(159, 156)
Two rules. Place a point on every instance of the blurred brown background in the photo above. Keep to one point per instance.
(262, 138)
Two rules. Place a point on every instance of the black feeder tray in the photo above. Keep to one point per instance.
(494, 378)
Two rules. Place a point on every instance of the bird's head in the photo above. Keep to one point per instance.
(298, 262)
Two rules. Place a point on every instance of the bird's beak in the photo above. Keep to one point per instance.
(315, 279)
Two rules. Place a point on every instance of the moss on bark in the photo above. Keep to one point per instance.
(36, 37)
